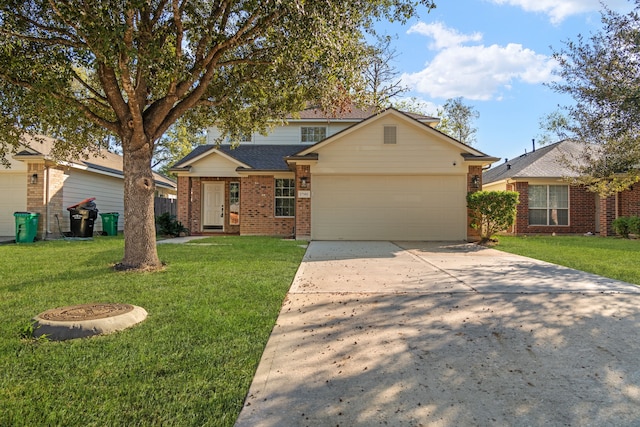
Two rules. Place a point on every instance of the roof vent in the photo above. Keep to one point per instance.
(508, 166)
(389, 134)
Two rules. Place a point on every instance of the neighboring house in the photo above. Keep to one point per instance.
(386, 176)
(36, 182)
(548, 204)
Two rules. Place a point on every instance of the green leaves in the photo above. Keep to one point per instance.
(492, 211)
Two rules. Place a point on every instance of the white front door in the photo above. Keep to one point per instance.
(213, 206)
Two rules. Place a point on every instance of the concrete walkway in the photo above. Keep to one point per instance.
(427, 334)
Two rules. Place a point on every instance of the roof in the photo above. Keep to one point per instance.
(546, 162)
(102, 162)
(259, 157)
(353, 113)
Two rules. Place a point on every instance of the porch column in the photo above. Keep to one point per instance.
(607, 215)
(474, 183)
(303, 202)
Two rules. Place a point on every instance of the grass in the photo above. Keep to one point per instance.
(615, 258)
(190, 363)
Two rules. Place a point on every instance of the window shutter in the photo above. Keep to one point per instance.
(389, 134)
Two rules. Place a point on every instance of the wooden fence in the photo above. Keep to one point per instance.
(163, 205)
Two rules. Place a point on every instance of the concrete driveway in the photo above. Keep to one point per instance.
(441, 334)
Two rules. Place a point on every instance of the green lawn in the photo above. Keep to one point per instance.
(189, 364)
(610, 257)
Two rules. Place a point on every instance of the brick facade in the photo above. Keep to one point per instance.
(582, 212)
(39, 196)
(303, 205)
(473, 235)
(257, 209)
(189, 209)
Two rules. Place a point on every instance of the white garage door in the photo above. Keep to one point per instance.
(388, 208)
(14, 199)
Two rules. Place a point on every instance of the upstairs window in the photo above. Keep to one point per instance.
(312, 134)
(548, 205)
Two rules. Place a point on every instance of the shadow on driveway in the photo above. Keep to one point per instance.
(447, 337)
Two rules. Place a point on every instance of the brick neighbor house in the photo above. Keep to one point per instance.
(362, 176)
(548, 204)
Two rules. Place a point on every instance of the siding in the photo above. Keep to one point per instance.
(13, 199)
(282, 135)
(416, 152)
(108, 191)
(214, 165)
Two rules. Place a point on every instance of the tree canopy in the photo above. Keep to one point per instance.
(90, 72)
(457, 120)
(602, 74)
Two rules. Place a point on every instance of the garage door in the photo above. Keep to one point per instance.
(14, 199)
(388, 208)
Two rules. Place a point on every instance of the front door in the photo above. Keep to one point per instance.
(213, 206)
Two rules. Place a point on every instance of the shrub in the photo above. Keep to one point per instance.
(492, 211)
(621, 226)
(167, 225)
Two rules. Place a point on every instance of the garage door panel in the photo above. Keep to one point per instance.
(14, 199)
(388, 208)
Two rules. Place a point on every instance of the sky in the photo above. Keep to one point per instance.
(497, 56)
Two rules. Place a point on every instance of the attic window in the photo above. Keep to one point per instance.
(312, 134)
(390, 135)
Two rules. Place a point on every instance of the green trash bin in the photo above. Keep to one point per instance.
(110, 223)
(26, 226)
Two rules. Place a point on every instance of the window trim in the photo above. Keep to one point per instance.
(292, 197)
(547, 207)
(302, 141)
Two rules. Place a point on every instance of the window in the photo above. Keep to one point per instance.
(389, 134)
(234, 203)
(548, 205)
(312, 134)
(285, 197)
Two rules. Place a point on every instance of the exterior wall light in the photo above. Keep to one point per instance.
(303, 182)
(34, 178)
(475, 181)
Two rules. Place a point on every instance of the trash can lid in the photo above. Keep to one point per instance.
(26, 213)
(90, 199)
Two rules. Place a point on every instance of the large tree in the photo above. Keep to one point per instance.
(381, 78)
(602, 74)
(457, 119)
(86, 71)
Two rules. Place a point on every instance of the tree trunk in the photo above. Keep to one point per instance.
(139, 220)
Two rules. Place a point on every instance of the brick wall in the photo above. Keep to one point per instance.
(629, 202)
(582, 213)
(257, 209)
(473, 235)
(303, 206)
(184, 201)
(607, 215)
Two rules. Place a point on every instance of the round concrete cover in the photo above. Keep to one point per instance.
(85, 320)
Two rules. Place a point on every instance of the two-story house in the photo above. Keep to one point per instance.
(360, 176)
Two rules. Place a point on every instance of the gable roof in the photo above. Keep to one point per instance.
(105, 162)
(469, 152)
(545, 162)
(258, 157)
(353, 113)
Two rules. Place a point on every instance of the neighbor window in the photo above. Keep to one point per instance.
(312, 134)
(285, 197)
(234, 203)
(548, 205)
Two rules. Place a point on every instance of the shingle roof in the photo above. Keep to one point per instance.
(545, 162)
(260, 157)
(105, 161)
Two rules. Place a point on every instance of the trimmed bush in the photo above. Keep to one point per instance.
(167, 225)
(492, 211)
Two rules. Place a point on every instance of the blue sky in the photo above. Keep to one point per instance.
(496, 55)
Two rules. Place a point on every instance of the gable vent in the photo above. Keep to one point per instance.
(390, 135)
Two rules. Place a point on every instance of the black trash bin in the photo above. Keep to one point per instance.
(82, 217)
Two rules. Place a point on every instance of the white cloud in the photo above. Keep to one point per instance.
(442, 35)
(475, 72)
(558, 10)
